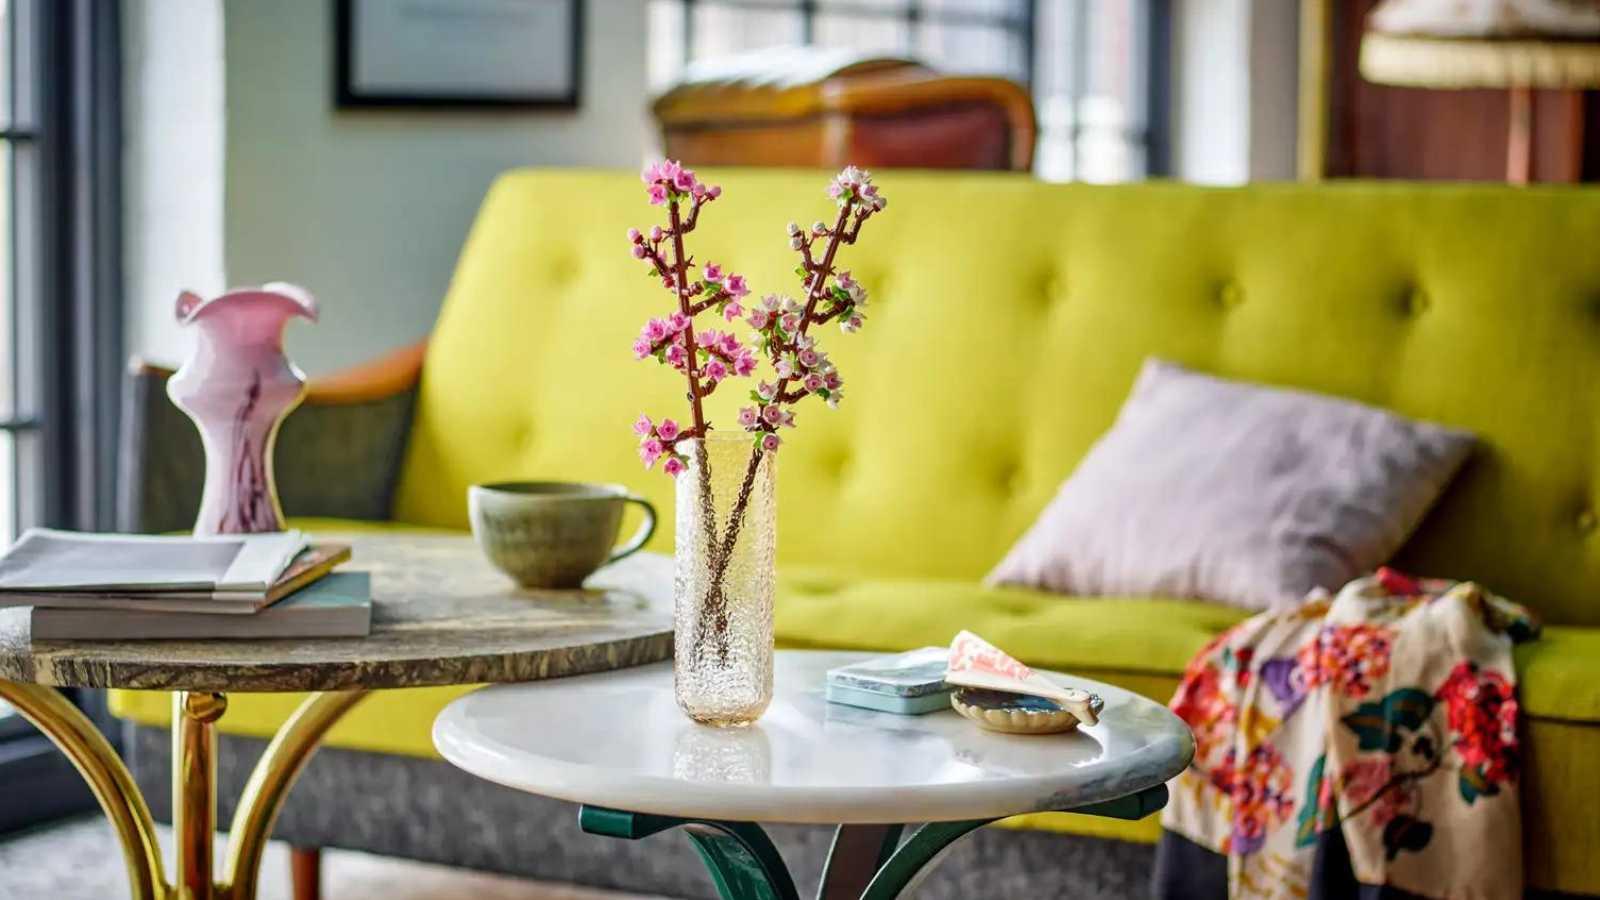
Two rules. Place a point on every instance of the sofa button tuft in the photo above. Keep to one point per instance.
(1416, 302)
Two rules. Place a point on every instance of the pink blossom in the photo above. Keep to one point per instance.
(758, 319)
(668, 430)
(784, 368)
(712, 273)
(736, 286)
(683, 180)
(790, 323)
(678, 322)
(770, 442)
(813, 382)
(715, 369)
(657, 233)
(699, 190)
(851, 324)
(674, 466)
(809, 358)
(844, 280)
(641, 348)
(732, 311)
(766, 390)
(714, 191)
(634, 236)
(788, 418)
(643, 426)
(677, 357)
(832, 381)
(772, 414)
(744, 366)
(771, 302)
(655, 330)
(658, 194)
(729, 344)
(747, 417)
(650, 451)
(638, 251)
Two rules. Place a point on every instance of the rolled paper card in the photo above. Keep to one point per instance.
(976, 663)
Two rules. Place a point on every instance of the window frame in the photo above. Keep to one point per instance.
(63, 195)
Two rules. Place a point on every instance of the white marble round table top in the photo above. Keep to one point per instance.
(618, 739)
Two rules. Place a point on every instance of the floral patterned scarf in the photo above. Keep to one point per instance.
(1363, 745)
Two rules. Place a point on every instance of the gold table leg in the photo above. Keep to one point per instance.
(77, 737)
(194, 789)
(194, 786)
(269, 784)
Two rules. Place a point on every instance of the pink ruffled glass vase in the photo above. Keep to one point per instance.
(238, 386)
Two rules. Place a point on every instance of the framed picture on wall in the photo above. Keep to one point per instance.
(458, 53)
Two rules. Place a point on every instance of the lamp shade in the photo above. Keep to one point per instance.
(1446, 44)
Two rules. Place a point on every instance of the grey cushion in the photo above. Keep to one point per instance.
(1242, 494)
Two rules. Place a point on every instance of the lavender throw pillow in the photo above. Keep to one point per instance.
(1247, 495)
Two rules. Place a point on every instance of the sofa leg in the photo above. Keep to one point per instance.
(305, 870)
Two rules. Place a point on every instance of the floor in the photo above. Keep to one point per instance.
(78, 860)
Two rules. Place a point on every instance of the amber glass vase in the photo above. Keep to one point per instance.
(725, 566)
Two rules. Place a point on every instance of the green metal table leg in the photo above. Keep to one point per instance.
(909, 863)
(746, 866)
(743, 862)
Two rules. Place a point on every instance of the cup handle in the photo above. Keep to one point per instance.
(640, 537)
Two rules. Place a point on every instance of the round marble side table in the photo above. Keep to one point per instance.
(441, 616)
(617, 744)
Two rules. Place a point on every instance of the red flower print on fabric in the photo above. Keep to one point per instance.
(1349, 657)
(1366, 786)
(1260, 791)
(1481, 708)
(1201, 704)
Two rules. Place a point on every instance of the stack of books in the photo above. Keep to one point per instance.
(131, 587)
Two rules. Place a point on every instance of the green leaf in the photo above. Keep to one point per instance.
(800, 270)
(1473, 784)
(1311, 816)
(823, 393)
(1405, 833)
(1377, 725)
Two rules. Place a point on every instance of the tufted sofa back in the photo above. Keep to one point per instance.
(1008, 321)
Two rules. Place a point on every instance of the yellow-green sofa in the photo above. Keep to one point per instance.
(1009, 319)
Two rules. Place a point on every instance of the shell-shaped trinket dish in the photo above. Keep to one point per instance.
(1010, 713)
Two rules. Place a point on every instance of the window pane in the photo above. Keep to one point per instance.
(973, 50)
(1091, 87)
(8, 488)
(8, 369)
(726, 30)
(5, 62)
(666, 43)
(887, 35)
(1013, 9)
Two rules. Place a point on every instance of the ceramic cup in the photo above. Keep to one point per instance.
(553, 534)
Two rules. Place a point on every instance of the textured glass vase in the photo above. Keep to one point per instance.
(723, 581)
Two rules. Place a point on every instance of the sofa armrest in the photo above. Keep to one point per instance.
(338, 455)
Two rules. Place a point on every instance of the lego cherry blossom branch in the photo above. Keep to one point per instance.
(782, 332)
(706, 358)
